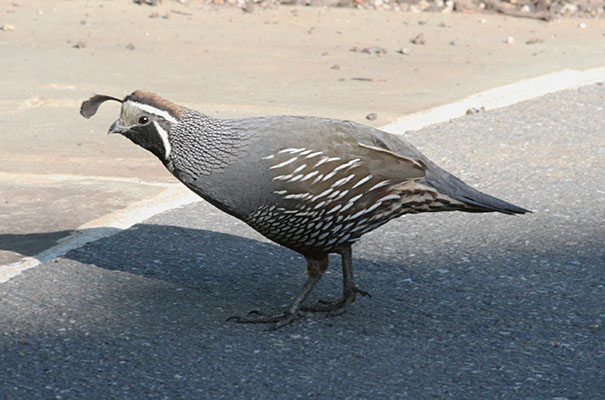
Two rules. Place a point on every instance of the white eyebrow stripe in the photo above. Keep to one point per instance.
(152, 110)
(164, 136)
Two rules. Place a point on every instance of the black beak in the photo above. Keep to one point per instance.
(116, 127)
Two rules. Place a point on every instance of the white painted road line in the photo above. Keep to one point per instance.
(173, 197)
(44, 178)
(178, 195)
(499, 97)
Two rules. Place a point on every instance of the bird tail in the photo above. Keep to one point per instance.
(474, 200)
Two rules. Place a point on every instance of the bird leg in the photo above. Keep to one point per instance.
(315, 269)
(338, 306)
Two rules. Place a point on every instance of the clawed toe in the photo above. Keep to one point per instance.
(337, 306)
(362, 292)
(256, 317)
(329, 306)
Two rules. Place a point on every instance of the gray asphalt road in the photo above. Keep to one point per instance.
(464, 306)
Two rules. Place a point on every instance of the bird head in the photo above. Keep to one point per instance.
(146, 119)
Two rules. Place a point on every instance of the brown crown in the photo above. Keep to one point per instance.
(156, 101)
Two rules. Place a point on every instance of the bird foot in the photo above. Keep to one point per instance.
(337, 306)
(278, 320)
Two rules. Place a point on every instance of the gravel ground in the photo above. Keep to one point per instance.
(539, 9)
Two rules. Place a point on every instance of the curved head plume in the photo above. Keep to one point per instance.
(90, 106)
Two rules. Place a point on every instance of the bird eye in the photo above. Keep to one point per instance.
(143, 120)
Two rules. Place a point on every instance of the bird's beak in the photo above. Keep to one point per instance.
(116, 127)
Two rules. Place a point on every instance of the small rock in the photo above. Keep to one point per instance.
(464, 6)
(419, 39)
(130, 46)
(509, 40)
(335, 66)
(534, 40)
(248, 7)
(568, 9)
(371, 116)
(8, 27)
(404, 50)
(472, 110)
(423, 5)
(79, 45)
(368, 79)
(449, 7)
(453, 43)
(379, 51)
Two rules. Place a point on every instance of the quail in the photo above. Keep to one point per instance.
(314, 185)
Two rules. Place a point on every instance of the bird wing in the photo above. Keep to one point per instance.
(322, 165)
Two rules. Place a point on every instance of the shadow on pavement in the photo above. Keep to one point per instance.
(30, 244)
(433, 328)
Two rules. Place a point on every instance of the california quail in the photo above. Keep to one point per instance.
(314, 185)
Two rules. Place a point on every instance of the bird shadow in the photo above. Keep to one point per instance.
(30, 244)
(238, 272)
(232, 274)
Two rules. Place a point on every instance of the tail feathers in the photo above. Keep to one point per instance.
(487, 203)
(474, 200)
